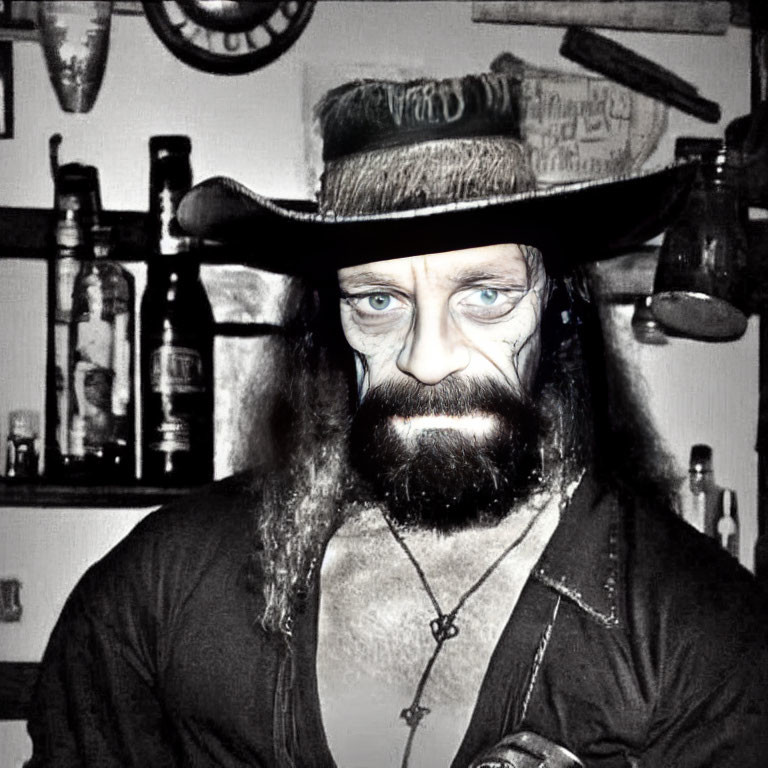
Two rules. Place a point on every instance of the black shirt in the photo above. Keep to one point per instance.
(635, 642)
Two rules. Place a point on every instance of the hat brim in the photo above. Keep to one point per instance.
(571, 224)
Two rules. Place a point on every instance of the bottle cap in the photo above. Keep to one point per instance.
(24, 423)
(701, 458)
(170, 145)
(82, 182)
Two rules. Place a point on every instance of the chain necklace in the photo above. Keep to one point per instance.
(443, 626)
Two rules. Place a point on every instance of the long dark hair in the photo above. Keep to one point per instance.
(619, 442)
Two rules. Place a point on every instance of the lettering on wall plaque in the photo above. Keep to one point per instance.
(228, 37)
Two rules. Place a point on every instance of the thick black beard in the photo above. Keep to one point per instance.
(446, 480)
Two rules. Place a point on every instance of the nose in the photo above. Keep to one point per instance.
(434, 348)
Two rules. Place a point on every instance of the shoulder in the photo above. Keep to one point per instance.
(670, 559)
(171, 550)
(690, 603)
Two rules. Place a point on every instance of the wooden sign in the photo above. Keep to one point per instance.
(700, 16)
(578, 127)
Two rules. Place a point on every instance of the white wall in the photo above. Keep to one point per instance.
(250, 127)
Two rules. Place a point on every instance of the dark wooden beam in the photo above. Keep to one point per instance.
(759, 94)
(688, 16)
(17, 683)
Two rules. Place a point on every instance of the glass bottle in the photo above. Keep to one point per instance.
(83, 182)
(102, 427)
(727, 524)
(68, 253)
(22, 454)
(700, 284)
(703, 510)
(176, 334)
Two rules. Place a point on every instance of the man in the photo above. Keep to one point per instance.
(470, 558)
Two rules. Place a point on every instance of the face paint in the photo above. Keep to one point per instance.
(473, 313)
(447, 348)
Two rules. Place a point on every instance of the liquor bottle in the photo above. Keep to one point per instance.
(67, 255)
(727, 524)
(176, 334)
(102, 428)
(702, 512)
(22, 452)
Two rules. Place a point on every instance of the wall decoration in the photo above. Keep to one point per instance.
(623, 65)
(710, 17)
(6, 90)
(229, 37)
(578, 127)
(74, 35)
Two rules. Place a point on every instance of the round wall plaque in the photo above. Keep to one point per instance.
(228, 37)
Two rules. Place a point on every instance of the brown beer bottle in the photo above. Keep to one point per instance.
(176, 334)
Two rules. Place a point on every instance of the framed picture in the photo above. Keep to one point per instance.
(6, 89)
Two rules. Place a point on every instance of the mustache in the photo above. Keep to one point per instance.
(446, 480)
(450, 397)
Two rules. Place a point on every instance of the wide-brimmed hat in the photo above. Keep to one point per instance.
(430, 166)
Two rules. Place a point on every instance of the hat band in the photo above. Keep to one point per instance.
(424, 174)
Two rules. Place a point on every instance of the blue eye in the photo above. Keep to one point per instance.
(488, 296)
(379, 301)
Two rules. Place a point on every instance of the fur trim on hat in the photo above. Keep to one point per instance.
(424, 174)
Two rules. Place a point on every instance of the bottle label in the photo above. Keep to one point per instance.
(173, 434)
(176, 370)
(92, 389)
(94, 341)
(121, 365)
(63, 394)
(67, 268)
(171, 238)
(92, 373)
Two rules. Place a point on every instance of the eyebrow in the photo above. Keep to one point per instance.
(360, 279)
(466, 277)
(475, 276)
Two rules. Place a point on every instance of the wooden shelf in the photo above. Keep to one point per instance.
(45, 494)
(26, 233)
(18, 31)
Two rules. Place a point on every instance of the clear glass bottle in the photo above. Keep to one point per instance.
(176, 334)
(22, 452)
(67, 255)
(102, 427)
(702, 513)
(727, 523)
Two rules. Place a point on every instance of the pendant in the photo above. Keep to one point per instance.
(443, 627)
(413, 715)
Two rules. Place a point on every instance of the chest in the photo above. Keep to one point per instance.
(377, 654)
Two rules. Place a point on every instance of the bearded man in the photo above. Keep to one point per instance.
(463, 551)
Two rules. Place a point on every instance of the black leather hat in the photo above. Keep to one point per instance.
(430, 166)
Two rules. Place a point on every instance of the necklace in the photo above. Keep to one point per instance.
(443, 626)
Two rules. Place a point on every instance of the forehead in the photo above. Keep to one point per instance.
(506, 261)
